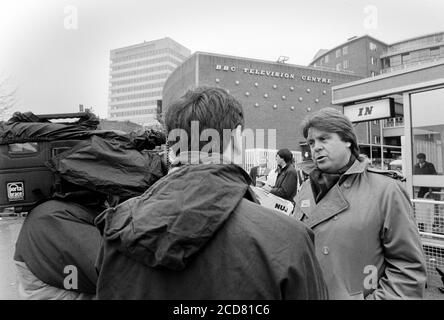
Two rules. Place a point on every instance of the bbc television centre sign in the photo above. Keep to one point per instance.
(273, 74)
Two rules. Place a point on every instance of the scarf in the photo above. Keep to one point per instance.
(321, 182)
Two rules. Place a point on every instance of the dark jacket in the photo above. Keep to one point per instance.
(197, 234)
(57, 234)
(428, 168)
(286, 183)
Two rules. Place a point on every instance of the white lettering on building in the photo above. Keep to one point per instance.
(274, 74)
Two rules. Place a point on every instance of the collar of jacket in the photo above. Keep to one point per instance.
(334, 201)
(357, 167)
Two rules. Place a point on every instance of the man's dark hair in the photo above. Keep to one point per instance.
(213, 108)
(286, 155)
(333, 121)
(421, 156)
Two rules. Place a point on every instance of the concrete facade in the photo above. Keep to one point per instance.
(360, 56)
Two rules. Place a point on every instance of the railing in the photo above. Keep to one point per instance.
(393, 122)
(429, 216)
(252, 157)
(436, 39)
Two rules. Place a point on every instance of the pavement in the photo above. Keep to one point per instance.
(9, 230)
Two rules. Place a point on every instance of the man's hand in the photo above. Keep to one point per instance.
(267, 187)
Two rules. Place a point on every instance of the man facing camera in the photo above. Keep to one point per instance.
(366, 238)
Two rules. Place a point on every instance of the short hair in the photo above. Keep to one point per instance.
(286, 155)
(213, 108)
(421, 156)
(331, 120)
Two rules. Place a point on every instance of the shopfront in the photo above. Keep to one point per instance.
(418, 94)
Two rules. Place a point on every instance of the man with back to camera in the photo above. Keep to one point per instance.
(366, 238)
(198, 233)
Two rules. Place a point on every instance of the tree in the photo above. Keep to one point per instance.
(8, 96)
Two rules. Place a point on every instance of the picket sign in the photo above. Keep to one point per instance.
(271, 201)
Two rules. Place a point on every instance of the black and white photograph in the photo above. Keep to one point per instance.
(221, 155)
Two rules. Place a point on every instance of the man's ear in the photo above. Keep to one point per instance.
(237, 140)
(348, 144)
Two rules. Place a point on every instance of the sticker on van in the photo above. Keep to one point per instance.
(16, 191)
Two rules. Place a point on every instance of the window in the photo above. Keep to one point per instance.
(405, 58)
(326, 58)
(57, 151)
(338, 53)
(344, 50)
(376, 139)
(372, 46)
(372, 73)
(345, 64)
(427, 140)
(338, 67)
(373, 60)
(395, 61)
(434, 51)
(20, 148)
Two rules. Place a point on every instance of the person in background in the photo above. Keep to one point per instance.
(367, 241)
(423, 167)
(198, 233)
(287, 179)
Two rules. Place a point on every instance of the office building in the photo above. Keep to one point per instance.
(137, 76)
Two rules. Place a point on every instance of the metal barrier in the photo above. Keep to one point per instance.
(252, 157)
(429, 216)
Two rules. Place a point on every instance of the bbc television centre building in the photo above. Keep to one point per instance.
(273, 95)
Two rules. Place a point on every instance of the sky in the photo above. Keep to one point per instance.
(56, 52)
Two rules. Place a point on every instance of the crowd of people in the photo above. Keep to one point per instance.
(199, 232)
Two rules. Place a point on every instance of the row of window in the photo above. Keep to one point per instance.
(415, 56)
(147, 54)
(138, 96)
(344, 51)
(141, 79)
(436, 38)
(132, 50)
(138, 88)
(133, 113)
(145, 103)
(142, 71)
(145, 63)
(344, 65)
